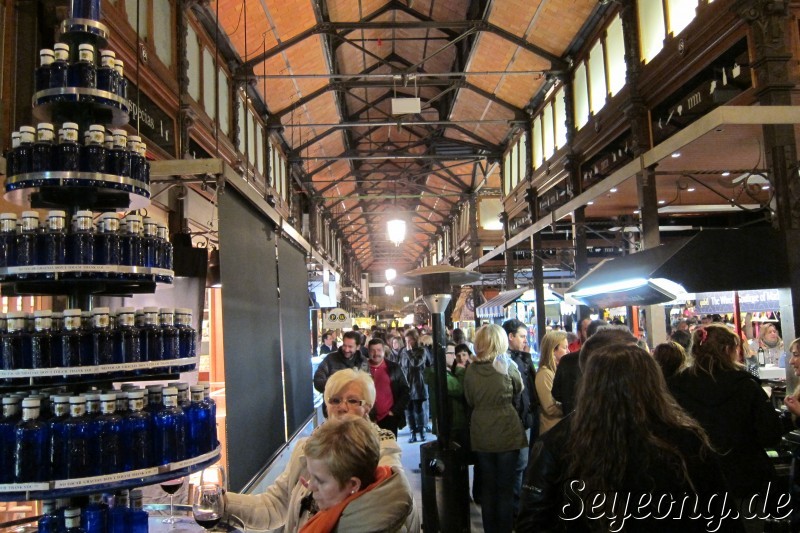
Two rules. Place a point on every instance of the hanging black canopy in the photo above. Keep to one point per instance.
(712, 260)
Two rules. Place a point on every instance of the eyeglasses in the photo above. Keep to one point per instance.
(351, 402)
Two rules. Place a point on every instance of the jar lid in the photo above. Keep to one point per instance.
(83, 214)
(43, 313)
(46, 52)
(72, 312)
(170, 391)
(86, 46)
(15, 315)
(76, 400)
(167, 311)
(108, 53)
(30, 214)
(196, 388)
(119, 132)
(15, 134)
(133, 217)
(183, 311)
(149, 220)
(8, 216)
(57, 213)
(150, 310)
(91, 396)
(100, 311)
(126, 310)
(97, 127)
(135, 394)
(118, 62)
(155, 388)
(31, 402)
(108, 397)
(61, 46)
(27, 129)
(70, 126)
(135, 138)
(45, 126)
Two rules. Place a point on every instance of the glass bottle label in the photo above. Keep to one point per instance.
(72, 322)
(71, 135)
(86, 55)
(42, 322)
(108, 407)
(170, 400)
(101, 320)
(77, 409)
(136, 404)
(44, 134)
(30, 413)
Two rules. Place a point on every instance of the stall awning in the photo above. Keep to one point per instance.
(495, 307)
(712, 260)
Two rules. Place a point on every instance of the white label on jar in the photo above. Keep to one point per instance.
(72, 322)
(16, 324)
(29, 413)
(107, 61)
(46, 59)
(10, 409)
(86, 55)
(70, 135)
(170, 400)
(100, 320)
(197, 396)
(61, 408)
(44, 134)
(61, 55)
(42, 322)
(77, 409)
(108, 407)
(126, 319)
(96, 137)
(120, 140)
(136, 404)
(26, 137)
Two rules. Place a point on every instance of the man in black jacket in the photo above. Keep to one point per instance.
(347, 356)
(565, 382)
(391, 389)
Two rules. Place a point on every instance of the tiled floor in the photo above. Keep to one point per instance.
(412, 467)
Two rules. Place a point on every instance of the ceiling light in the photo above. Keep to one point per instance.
(589, 203)
(675, 154)
(726, 174)
(389, 290)
(690, 189)
(765, 187)
(613, 190)
(636, 212)
(662, 202)
(390, 274)
(397, 231)
(406, 299)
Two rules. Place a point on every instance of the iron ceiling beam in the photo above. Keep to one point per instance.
(382, 157)
(401, 122)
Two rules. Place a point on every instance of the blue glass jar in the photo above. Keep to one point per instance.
(69, 341)
(94, 517)
(155, 398)
(31, 439)
(169, 333)
(150, 336)
(60, 407)
(58, 70)
(110, 436)
(48, 522)
(52, 245)
(68, 151)
(107, 251)
(13, 342)
(11, 155)
(169, 430)
(119, 158)
(126, 337)
(26, 250)
(145, 168)
(9, 418)
(136, 158)
(187, 336)
(43, 71)
(138, 434)
(149, 242)
(43, 149)
(24, 152)
(80, 243)
(212, 406)
(137, 517)
(94, 153)
(92, 405)
(118, 514)
(8, 239)
(85, 9)
(198, 415)
(77, 440)
(122, 86)
(72, 520)
(41, 340)
(102, 337)
(107, 78)
(165, 254)
(83, 72)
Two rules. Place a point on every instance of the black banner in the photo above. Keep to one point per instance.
(155, 124)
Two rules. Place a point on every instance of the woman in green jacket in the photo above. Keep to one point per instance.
(459, 426)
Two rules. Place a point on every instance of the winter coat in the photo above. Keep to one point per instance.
(494, 423)
(281, 503)
(551, 502)
(455, 395)
(565, 382)
(336, 361)
(399, 386)
(413, 362)
(526, 402)
(739, 419)
(549, 410)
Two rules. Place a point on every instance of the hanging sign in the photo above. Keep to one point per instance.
(762, 300)
(155, 124)
(336, 318)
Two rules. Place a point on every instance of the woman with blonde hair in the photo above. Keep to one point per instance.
(496, 432)
(554, 347)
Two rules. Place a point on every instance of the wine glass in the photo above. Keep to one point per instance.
(214, 475)
(208, 506)
(171, 486)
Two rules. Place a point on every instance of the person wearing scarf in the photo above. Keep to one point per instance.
(352, 493)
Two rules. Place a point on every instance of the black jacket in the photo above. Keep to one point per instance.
(527, 401)
(739, 419)
(414, 362)
(565, 382)
(399, 386)
(336, 361)
(551, 502)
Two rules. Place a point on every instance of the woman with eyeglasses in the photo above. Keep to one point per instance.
(290, 503)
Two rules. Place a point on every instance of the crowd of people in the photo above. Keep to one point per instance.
(604, 435)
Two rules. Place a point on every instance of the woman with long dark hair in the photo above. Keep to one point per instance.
(627, 441)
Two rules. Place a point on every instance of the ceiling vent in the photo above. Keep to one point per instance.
(405, 106)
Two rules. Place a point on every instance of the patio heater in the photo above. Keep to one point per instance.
(445, 481)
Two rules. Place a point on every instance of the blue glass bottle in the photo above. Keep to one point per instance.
(107, 79)
(60, 406)
(24, 159)
(72, 520)
(58, 70)
(212, 406)
(118, 514)
(8, 240)
(102, 337)
(13, 343)
(31, 439)
(77, 440)
(197, 424)
(155, 398)
(165, 253)
(52, 242)
(169, 430)
(145, 169)
(169, 333)
(83, 73)
(119, 158)
(126, 337)
(26, 250)
(149, 242)
(43, 148)
(106, 244)
(110, 436)
(46, 58)
(138, 434)
(9, 419)
(122, 86)
(92, 405)
(186, 336)
(68, 151)
(11, 155)
(48, 523)
(93, 153)
(150, 336)
(94, 517)
(136, 159)
(130, 242)
(41, 340)
(85, 9)
(80, 243)
(69, 341)
(137, 517)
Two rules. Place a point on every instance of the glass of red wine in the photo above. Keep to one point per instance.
(171, 486)
(208, 506)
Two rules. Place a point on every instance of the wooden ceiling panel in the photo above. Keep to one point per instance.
(348, 10)
(557, 23)
(443, 9)
(291, 17)
(232, 21)
(516, 15)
